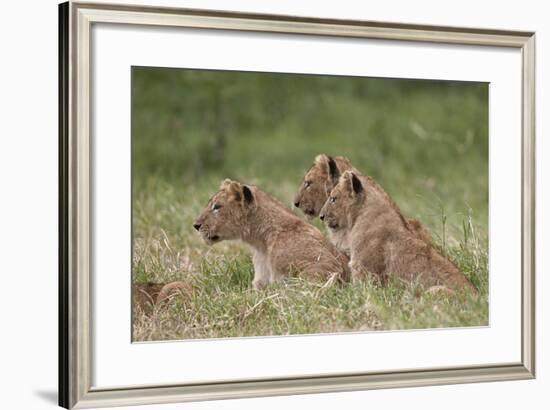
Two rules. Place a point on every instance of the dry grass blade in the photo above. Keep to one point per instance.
(330, 282)
(251, 310)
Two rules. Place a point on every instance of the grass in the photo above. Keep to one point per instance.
(425, 142)
(224, 305)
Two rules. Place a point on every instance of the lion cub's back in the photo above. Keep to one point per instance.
(301, 248)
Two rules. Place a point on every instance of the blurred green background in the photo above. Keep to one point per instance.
(425, 142)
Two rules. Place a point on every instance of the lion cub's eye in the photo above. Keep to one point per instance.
(332, 199)
(307, 184)
(216, 207)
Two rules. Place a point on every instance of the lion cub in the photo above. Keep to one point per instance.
(380, 242)
(283, 243)
(319, 181)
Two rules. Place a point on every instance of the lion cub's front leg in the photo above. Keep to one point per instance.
(358, 271)
(263, 274)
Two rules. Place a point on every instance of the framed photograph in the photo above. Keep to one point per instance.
(256, 205)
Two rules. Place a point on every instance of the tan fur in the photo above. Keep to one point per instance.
(380, 242)
(283, 243)
(174, 288)
(318, 182)
(147, 295)
(323, 176)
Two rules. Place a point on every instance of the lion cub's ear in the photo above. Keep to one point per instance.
(321, 159)
(328, 164)
(334, 172)
(226, 183)
(240, 192)
(247, 195)
(353, 183)
(233, 188)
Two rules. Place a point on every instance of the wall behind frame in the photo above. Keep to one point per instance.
(28, 209)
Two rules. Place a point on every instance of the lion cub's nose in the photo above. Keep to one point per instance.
(322, 217)
(297, 204)
(197, 226)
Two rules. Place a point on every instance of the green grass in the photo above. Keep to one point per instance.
(223, 305)
(424, 142)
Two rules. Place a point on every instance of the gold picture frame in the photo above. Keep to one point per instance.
(75, 353)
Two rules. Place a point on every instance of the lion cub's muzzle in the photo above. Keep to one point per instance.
(209, 238)
(302, 204)
(205, 233)
(328, 221)
(308, 210)
(333, 225)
